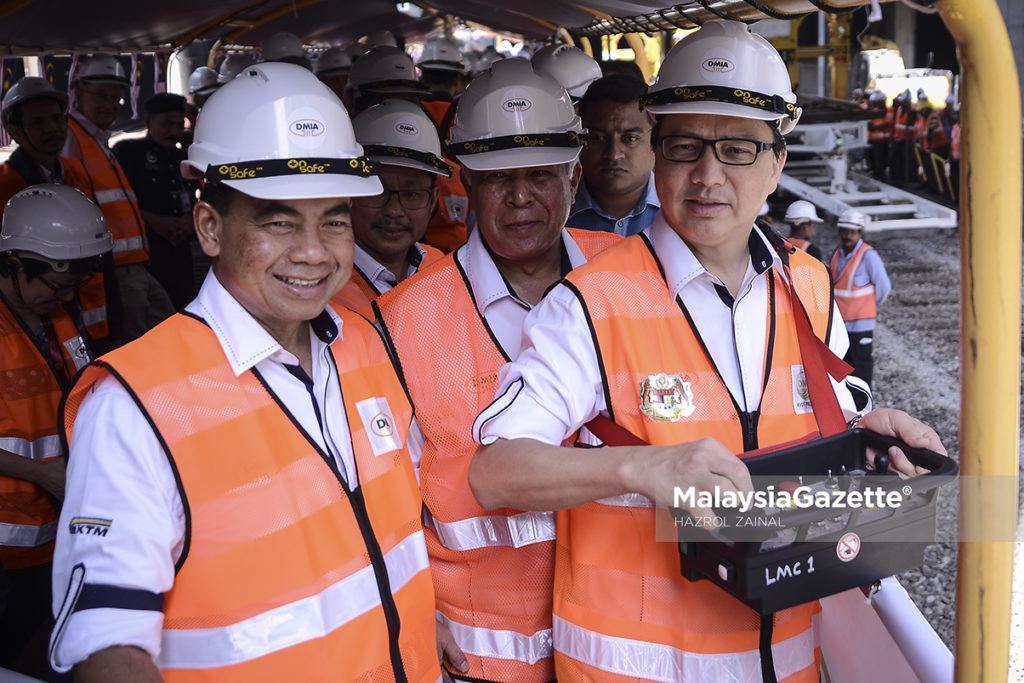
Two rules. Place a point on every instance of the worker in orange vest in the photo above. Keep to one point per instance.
(53, 241)
(667, 334)
(99, 86)
(241, 504)
(388, 227)
(899, 150)
(880, 132)
(803, 219)
(35, 116)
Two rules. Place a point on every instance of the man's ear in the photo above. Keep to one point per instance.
(209, 227)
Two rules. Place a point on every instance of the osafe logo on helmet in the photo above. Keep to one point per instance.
(718, 65)
(516, 104)
(306, 127)
(406, 128)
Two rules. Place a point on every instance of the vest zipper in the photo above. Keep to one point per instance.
(748, 423)
(380, 571)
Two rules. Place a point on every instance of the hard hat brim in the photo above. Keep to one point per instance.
(408, 163)
(725, 109)
(518, 158)
(104, 80)
(307, 187)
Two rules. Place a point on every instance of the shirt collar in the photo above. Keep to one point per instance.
(486, 280)
(90, 127)
(585, 201)
(243, 339)
(681, 265)
(375, 272)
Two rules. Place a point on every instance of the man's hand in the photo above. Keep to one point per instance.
(704, 464)
(911, 431)
(448, 649)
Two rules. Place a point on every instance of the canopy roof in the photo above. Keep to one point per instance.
(39, 26)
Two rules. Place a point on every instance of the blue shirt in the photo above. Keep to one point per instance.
(586, 214)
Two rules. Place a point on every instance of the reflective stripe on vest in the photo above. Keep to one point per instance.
(513, 531)
(27, 535)
(115, 195)
(656, 662)
(499, 644)
(39, 449)
(124, 244)
(854, 293)
(92, 316)
(296, 622)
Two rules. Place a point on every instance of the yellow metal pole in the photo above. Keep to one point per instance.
(639, 54)
(990, 233)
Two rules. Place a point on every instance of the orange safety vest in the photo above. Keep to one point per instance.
(286, 573)
(447, 229)
(917, 130)
(933, 138)
(855, 303)
(29, 396)
(93, 295)
(358, 292)
(622, 610)
(899, 127)
(954, 145)
(880, 129)
(115, 197)
(492, 568)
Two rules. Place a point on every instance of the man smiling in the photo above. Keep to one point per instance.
(241, 504)
(702, 302)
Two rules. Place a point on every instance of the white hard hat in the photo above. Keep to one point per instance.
(399, 133)
(233, 65)
(724, 68)
(800, 211)
(31, 88)
(202, 81)
(852, 219)
(513, 117)
(568, 65)
(101, 69)
(441, 54)
(333, 60)
(283, 46)
(277, 132)
(378, 39)
(54, 223)
(386, 70)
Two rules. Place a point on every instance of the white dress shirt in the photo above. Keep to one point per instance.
(561, 387)
(117, 471)
(379, 276)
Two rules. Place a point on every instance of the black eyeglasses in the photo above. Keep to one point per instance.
(409, 199)
(67, 289)
(729, 151)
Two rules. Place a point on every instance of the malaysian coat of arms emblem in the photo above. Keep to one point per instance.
(666, 398)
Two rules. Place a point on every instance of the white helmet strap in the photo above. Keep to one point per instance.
(570, 140)
(266, 168)
(774, 104)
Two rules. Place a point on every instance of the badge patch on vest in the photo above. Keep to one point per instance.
(457, 207)
(379, 424)
(79, 353)
(666, 398)
(801, 395)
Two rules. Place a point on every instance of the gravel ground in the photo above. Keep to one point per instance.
(917, 370)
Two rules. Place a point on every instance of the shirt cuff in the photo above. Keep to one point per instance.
(92, 630)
